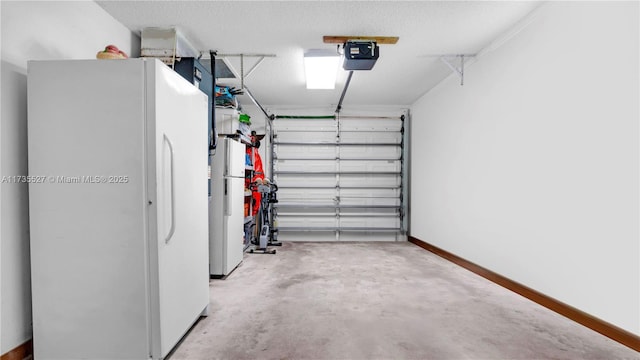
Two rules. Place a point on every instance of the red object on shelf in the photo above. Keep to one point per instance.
(258, 173)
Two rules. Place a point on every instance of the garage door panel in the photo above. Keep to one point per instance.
(371, 137)
(370, 236)
(369, 212)
(370, 124)
(315, 236)
(370, 180)
(369, 202)
(307, 137)
(315, 222)
(369, 193)
(371, 166)
(370, 222)
(303, 125)
(305, 152)
(298, 212)
(357, 152)
(370, 197)
(303, 180)
(313, 196)
(305, 166)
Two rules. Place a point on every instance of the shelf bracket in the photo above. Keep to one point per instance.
(255, 66)
(242, 75)
(449, 61)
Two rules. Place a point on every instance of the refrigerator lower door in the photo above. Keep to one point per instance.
(226, 207)
(233, 246)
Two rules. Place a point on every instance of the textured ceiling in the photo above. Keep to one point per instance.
(403, 72)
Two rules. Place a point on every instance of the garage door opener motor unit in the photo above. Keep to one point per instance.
(360, 55)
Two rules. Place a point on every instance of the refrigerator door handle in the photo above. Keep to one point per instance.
(227, 198)
(227, 155)
(173, 208)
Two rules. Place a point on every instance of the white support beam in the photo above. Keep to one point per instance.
(255, 66)
(241, 74)
(450, 60)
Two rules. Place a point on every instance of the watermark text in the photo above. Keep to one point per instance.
(63, 179)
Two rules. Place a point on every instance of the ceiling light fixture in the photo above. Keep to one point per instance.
(321, 68)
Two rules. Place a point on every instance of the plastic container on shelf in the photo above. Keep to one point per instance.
(244, 129)
(244, 118)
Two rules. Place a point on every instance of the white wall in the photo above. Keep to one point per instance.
(36, 31)
(531, 168)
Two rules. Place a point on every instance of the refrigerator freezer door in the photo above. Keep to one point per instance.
(181, 156)
(118, 229)
(235, 158)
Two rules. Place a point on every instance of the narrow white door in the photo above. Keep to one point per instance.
(234, 229)
(181, 146)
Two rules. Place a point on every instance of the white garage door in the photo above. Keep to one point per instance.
(339, 178)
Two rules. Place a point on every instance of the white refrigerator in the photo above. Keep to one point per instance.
(226, 244)
(118, 208)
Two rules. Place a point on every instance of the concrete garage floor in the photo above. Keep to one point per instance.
(378, 301)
